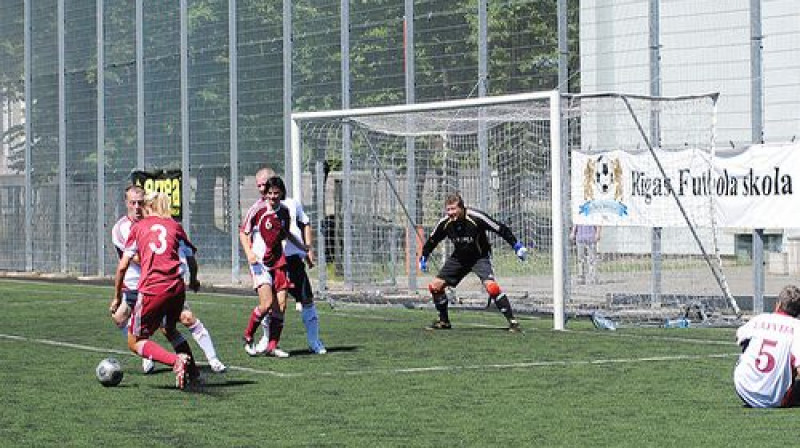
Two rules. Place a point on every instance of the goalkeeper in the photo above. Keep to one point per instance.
(466, 229)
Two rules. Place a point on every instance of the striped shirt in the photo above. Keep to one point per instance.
(468, 234)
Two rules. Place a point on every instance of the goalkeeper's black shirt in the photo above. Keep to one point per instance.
(468, 235)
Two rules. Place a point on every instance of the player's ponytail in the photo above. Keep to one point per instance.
(158, 204)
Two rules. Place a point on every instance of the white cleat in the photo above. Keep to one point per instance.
(277, 353)
(261, 347)
(250, 348)
(217, 366)
(148, 365)
(318, 348)
(181, 375)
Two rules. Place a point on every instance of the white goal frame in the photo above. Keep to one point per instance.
(558, 167)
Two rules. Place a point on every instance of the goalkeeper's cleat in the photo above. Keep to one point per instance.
(217, 366)
(148, 365)
(180, 369)
(276, 353)
(513, 326)
(250, 348)
(439, 325)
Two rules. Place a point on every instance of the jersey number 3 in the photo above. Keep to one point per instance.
(162, 239)
(765, 361)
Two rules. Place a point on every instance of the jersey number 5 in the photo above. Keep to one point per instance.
(162, 239)
(765, 361)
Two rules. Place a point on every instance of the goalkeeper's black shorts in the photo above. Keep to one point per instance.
(455, 269)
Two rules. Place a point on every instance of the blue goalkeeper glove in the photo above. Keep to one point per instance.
(521, 251)
(423, 263)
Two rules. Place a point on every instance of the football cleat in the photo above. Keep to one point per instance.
(318, 349)
(250, 348)
(262, 345)
(276, 353)
(513, 326)
(439, 325)
(148, 365)
(180, 369)
(217, 366)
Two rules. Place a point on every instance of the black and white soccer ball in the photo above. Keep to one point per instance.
(604, 175)
(109, 372)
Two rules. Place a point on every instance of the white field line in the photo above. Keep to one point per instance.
(52, 287)
(89, 348)
(612, 334)
(410, 370)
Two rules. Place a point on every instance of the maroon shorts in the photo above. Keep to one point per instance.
(151, 311)
(280, 280)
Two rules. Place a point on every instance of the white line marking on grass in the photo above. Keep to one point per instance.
(89, 348)
(64, 344)
(572, 363)
(38, 302)
(409, 370)
(655, 337)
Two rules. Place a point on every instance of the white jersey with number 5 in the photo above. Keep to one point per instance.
(763, 373)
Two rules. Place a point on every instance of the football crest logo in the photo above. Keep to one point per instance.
(602, 186)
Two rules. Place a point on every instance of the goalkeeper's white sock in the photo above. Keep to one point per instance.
(311, 322)
(203, 338)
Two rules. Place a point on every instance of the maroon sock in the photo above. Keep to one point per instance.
(252, 324)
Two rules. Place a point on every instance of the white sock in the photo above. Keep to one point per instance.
(203, 338)
(265, 326)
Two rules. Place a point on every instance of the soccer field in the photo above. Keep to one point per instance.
(384, 382)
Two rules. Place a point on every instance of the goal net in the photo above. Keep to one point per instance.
(374, 182)
(643, 176)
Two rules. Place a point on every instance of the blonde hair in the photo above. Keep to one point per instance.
(265, 173)
(158, 203)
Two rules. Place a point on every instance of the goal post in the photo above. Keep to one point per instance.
(374, 180)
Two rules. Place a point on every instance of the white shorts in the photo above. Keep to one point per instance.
(261, 275)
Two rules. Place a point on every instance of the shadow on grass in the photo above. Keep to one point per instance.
(331, 349)
(213, 389)
(475, 329)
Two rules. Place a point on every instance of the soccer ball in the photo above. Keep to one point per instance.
(604, 175)
(109, 372)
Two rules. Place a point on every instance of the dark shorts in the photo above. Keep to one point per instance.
(301, 285)
(455, 269)
(130, 297)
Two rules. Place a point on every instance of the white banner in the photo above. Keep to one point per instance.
(750, 188)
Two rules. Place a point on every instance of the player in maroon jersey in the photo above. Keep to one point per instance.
(157, 240)
(261, 234)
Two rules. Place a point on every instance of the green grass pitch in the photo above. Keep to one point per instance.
(384, 382)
